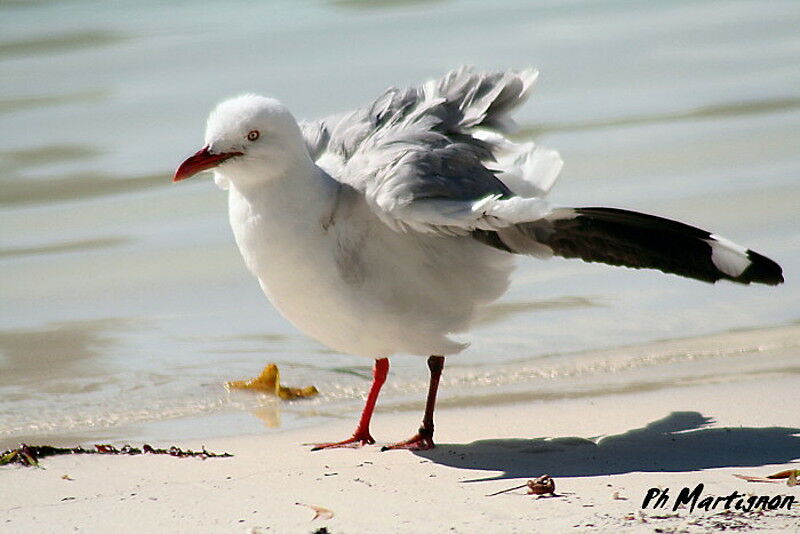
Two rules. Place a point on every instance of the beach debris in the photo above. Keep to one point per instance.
(319, 511)
(23, 455)
(544, 485)
(749, 478)
(792, 477)
(269, 381)
(29, 455)
(507, 490)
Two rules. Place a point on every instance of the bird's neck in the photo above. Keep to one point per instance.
(281, 225)
(297, 190)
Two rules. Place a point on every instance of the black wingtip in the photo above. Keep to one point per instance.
(761, 270)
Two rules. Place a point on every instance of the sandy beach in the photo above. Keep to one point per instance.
(604, 454)
(125, 305)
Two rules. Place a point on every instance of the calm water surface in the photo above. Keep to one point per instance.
(124, 305)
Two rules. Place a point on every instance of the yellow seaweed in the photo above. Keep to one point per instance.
(269, 381)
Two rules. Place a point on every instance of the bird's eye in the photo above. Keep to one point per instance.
(253, 135)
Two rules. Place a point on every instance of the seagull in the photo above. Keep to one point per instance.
(385, 229)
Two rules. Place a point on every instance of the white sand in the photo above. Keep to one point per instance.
(399, 491)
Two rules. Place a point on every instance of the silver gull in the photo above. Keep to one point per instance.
(383, 230)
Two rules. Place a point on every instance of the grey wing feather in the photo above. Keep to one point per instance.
(316, 136)
(417, 160)
(417, 144)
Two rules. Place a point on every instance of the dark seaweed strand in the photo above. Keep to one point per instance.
(29, 455)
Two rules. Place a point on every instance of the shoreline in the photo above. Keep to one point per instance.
(604, 454)
(737, 356)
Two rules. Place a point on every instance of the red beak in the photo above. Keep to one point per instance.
(202, 160)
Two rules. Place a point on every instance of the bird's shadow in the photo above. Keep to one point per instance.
(682, 441)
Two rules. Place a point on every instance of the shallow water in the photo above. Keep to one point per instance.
(123, 300)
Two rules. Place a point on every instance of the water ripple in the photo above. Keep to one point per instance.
(734, 109)
(64, 42)
(17, 103)
(66, 246)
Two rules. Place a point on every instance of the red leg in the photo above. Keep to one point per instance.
(423, 439)
(362, 436)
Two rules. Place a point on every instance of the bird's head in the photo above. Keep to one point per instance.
(248, 139)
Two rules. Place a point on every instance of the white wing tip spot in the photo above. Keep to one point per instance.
(727, 256)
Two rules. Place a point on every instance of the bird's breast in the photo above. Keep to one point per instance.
(343, 277)
(309, 268)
